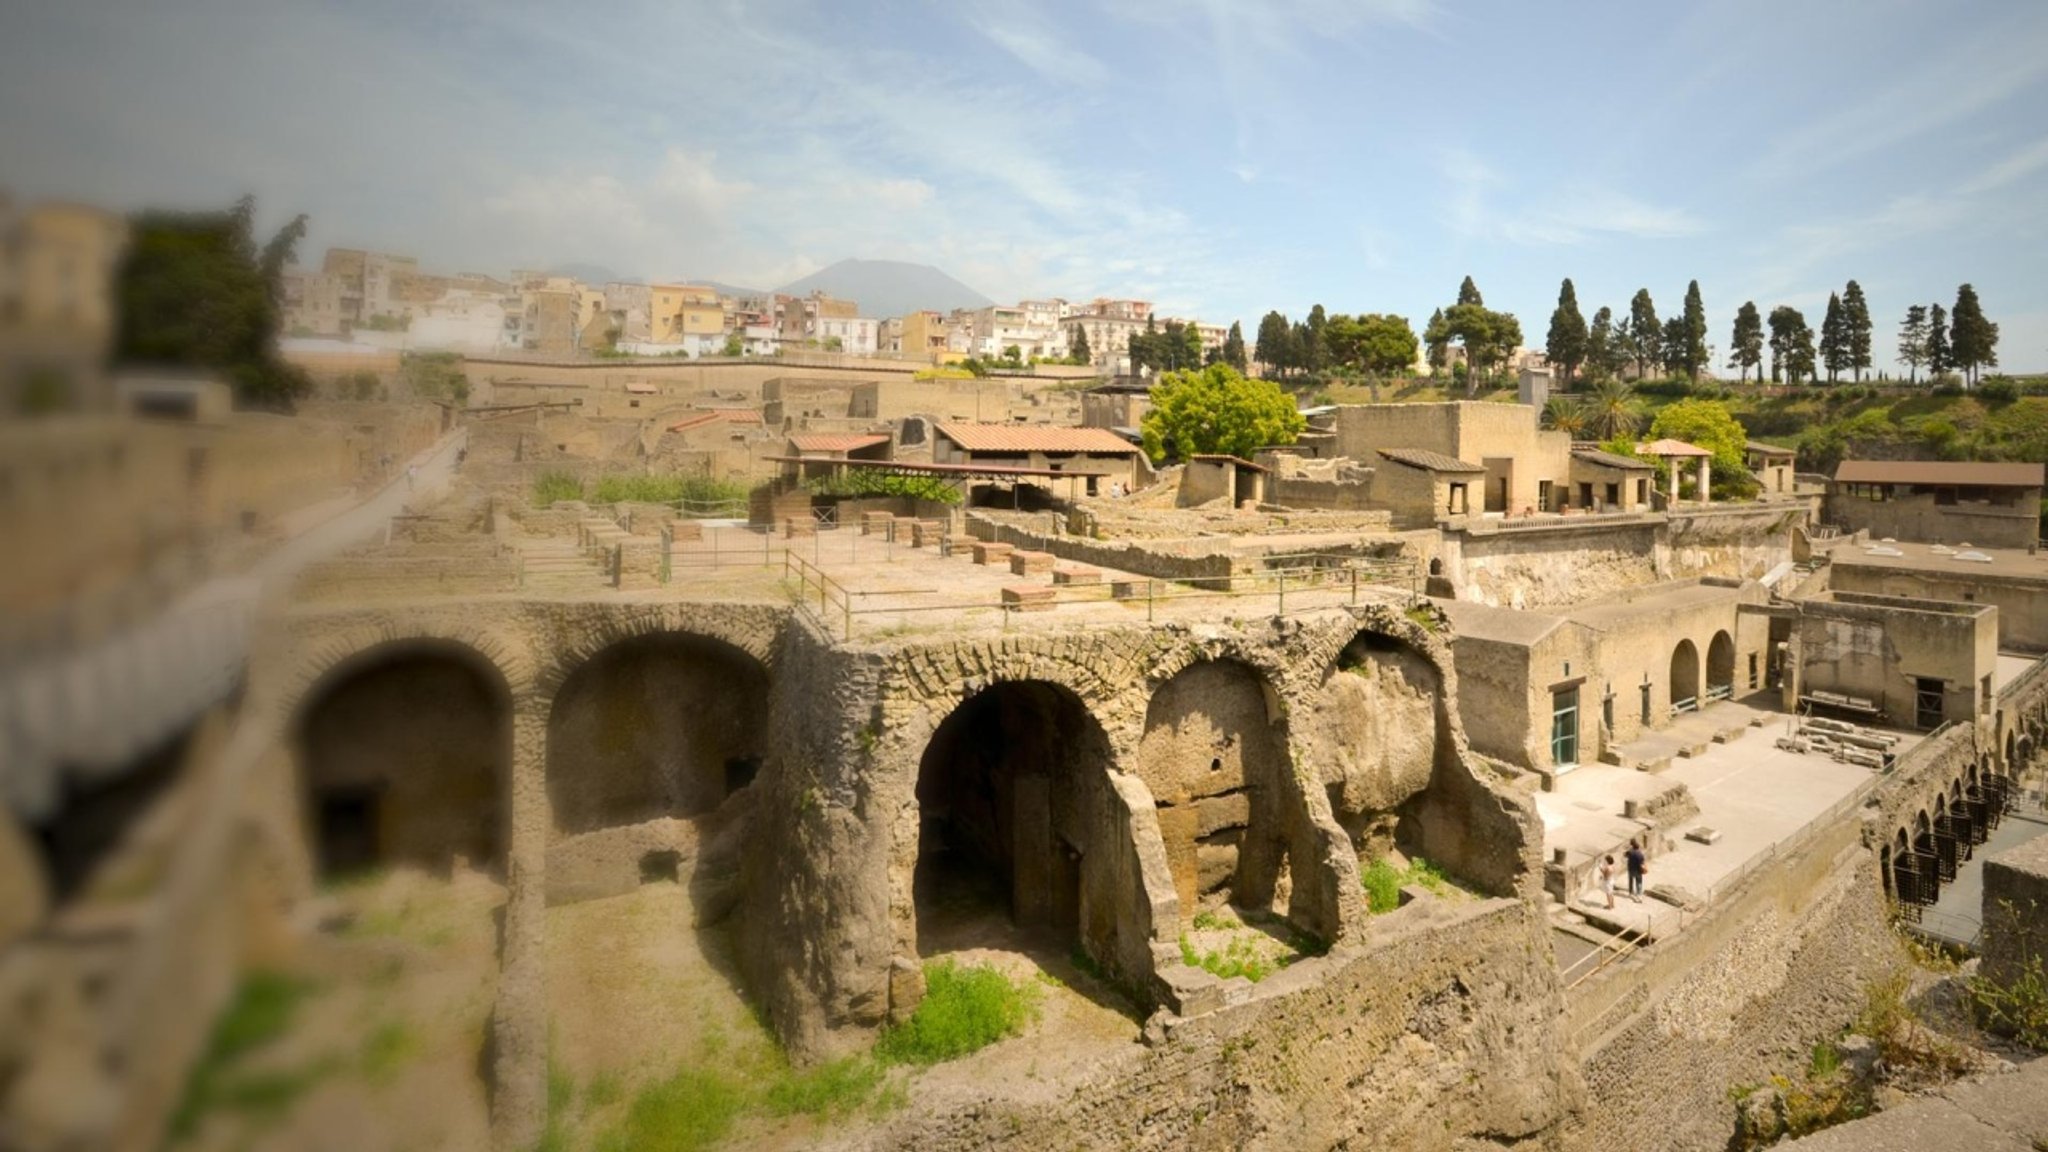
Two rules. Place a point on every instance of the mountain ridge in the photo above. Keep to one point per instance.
(887, 288)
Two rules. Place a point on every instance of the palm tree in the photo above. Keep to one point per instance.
(1563, 414)
(1613, 409)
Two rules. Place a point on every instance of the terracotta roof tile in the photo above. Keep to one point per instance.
(1939, 472)
(1035, 438)
(835, 441)
(1430, 461)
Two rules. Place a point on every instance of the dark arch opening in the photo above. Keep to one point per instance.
(1007, 812)
(1213, 756)
(1720, 667)
(405, 754)
(667, 724)
(1685, 677)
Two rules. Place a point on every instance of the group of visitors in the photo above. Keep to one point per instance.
(1637, 863)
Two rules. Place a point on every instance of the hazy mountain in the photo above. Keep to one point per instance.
(886, 288)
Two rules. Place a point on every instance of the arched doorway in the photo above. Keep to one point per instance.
(1720, 667)
(667, 724)
(1010, 807)
(405, 752)
(1213, 757)
(1685, 678)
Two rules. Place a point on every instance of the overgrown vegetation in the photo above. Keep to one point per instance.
(435, 376)
(1383, 882)
(552, 485)
(259, 1015)
(858, 483)
(668, 489)
(964, 1010)
(1240, 957)
(2017, 1007)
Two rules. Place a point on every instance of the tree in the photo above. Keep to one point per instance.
(1275, 347)
(1747, 342)
(1645, 332)
(1233, 347)
(1834, 346)
(1311, 351)
(1940, 355)
(1913, 340)
(1791, 345)
(1856, 329)
(194, 291)
(1693, 333)
(1077, 346)
(1710, 425)
(1486, 336)
(1603, 354)
(1563, 414)
(734, 345)
(1973, 338)
(1613, 409)
(1673, 345)
(1216, 410)
(1174, 348)
(1375, 344)
(1566, 345)
(1468, 293)
(1436, 337)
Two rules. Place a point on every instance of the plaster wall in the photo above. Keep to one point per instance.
(2022, 603)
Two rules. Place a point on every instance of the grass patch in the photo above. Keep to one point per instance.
(836, 1089)
(1240, 957)
(695, 1108)
(964, 1010)
(1383, 882)
(260, 1013)
(1215, 921)
(386, 1051)
(553, 485)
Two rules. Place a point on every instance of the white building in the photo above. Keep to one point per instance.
(857, 334)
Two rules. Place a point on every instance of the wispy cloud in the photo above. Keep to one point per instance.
(1576, 215)
(1037, 47)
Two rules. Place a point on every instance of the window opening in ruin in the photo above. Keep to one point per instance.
(1564, 728)
(346, 831)
(1607, 712)
(1613, 494)
(661, 864)
(1927, 702)
(1586, 493)
(1646, 702)
(1752, 670)
(1543, 490)
(1984, 696)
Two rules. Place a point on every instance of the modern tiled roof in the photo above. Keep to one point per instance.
(1240, 461)
(1671, 448)
(1035, 438)
(1612, 460)
(694, 420)
(1432, 461)
(1939, 472)
(835, 441)
(1769, 449)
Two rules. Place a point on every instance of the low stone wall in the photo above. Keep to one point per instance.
(1434, 1034)
(2016, 912)
(1209, 570)
(384, 577)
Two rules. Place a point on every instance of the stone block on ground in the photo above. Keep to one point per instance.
(1076, 574)
(989, 552)
(924, 532)
(1030, 563)
(876, 523)
(1135, 589)
(686, 531)
(793, 526)
(1027, 598)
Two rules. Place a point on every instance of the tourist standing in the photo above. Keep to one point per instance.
(1607, 879)
(412, 475)
(1637, 865)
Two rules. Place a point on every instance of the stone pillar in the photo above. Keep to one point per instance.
(1673, 462)
(1704, 471)
(519, 1018)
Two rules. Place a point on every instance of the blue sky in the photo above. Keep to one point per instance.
(1221, 157)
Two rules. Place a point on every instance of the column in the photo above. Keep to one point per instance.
(519, 1018)
(1673, 462)
(1704, 470)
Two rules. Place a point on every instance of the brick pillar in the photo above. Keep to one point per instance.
(519, 1018)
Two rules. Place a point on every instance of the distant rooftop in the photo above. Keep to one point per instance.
(1612, 460)
(1668, 448)
(836, 441)
(1429, 461)
(1939, 472)
(1029, 438)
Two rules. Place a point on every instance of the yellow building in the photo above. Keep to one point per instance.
(679, 311)
(924, 336)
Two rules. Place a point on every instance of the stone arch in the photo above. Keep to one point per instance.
(1685, 677)
(1015, 814)
(405, 756)
(1721, 666)
(657, 724)
(1214, 757)
(1376, 732)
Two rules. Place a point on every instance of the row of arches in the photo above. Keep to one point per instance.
(1924, 853)
(406, 759)
(1686, 695)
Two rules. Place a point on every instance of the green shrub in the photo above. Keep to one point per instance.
(652, 489)
(964, 1009)
(261, 1011)
(858, 483)
(1383, 882)
(550, 486)
(2017, 1008)
(1240, 957)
